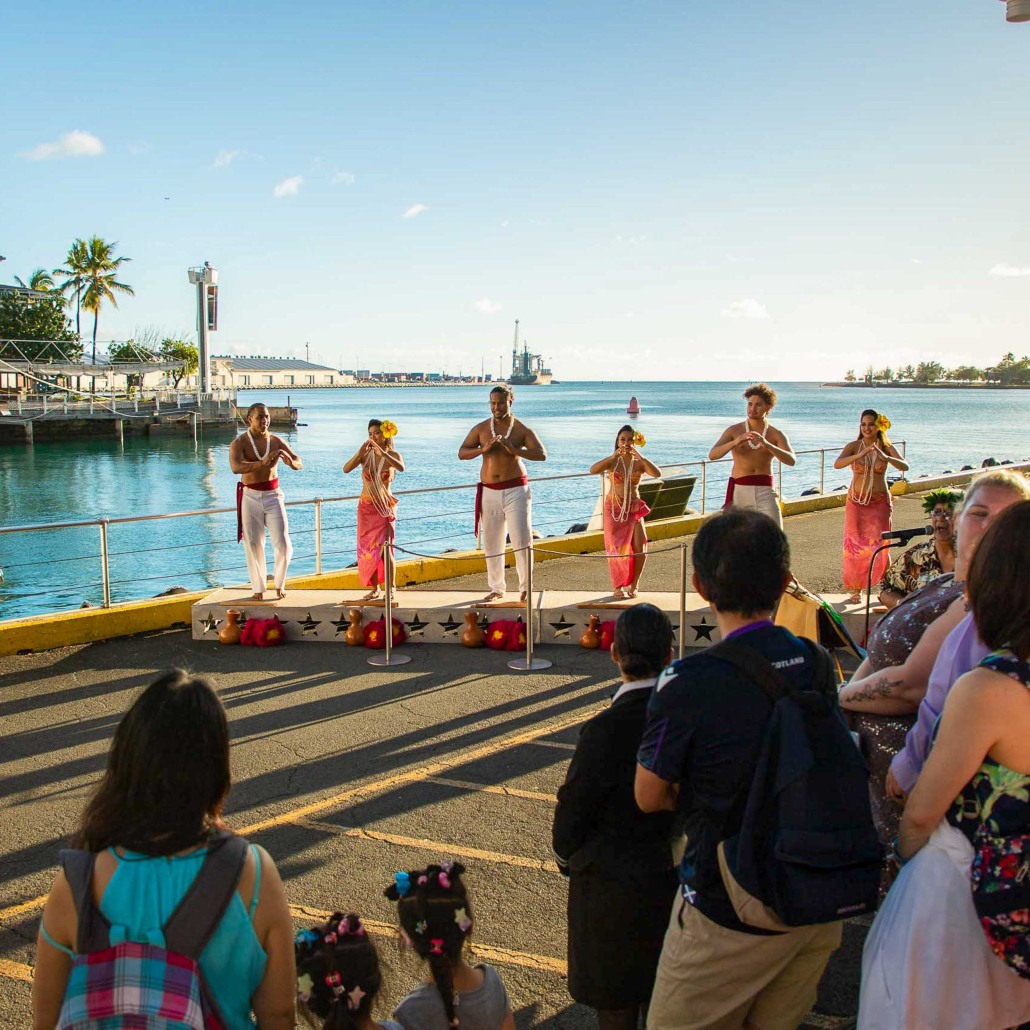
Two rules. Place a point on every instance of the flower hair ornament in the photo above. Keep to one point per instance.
(461, 917)
(436, 946)
(638, 439)
(402, 881)
(388, 429)
(305, 985)
(354, 998)
(883, 423)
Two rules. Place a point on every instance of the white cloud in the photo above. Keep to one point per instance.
(486, 306)
(1010, 271)
(71, 144)
(504, 224)
(746, 308)
(415, 210)
(289, 187)
(344, 179)
(225, 158)
(632, 239)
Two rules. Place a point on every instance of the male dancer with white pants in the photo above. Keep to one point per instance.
(503, 498)
(754, 443)
(254, 456)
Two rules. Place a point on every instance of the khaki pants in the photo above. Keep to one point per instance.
(718, 979)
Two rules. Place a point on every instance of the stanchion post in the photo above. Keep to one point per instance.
(528, 663)
(683, 598)
(105, 569)
(822, 470)
(318, 536)
(388, 657)
(704, 485)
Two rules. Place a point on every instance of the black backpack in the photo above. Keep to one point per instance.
(807, 850)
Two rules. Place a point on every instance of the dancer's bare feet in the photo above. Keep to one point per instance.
(280, 593)
(372, 595)
(522, 597)
(494, 595)
(629, 592)
(258, 595)
(618, 593)
(855, 599)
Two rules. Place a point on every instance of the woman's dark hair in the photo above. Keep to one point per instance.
(879, 432)
(998, 585)
(338, 974)
(643, 639)
(620, 432)
(742, 560)
(374, 422)
(436, 917)
(167, 771)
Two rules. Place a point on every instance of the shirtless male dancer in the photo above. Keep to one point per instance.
(754, 443)
(254, 455)
(503, 497)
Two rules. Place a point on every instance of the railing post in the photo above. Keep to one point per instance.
(105, 569)
(388, 657)
(683, 598)
(822, 470)
(318, 536)
(528, 663)
(704, 485)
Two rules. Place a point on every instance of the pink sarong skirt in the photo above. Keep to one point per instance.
(373, 531)
(863, 524)
(618, 541)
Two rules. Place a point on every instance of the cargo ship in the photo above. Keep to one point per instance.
(527, 369)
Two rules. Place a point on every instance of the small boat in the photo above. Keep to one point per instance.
(634, 407)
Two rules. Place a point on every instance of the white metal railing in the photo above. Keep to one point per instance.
(808, 476)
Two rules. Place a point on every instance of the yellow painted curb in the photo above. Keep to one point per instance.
(919, 486)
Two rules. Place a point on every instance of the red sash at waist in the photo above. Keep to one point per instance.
(744, 481)
(271, 484)
(507, 484)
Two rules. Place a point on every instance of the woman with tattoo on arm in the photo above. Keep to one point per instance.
(889, 685)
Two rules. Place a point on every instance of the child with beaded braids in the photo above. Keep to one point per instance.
(338, 976)
(436, 917)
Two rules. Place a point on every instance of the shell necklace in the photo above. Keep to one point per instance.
(379, 492)
(621, 505)
(493, 427)
(862, 492)
(268, 446)
(765, 428)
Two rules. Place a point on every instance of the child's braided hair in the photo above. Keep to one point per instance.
(436, 917)
(337, 972)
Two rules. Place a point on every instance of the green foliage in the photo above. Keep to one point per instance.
(40, 280)
(929, 372)
(38, 320)
(130, 351)
(850, 376)
(1010, 371)
(180, 351)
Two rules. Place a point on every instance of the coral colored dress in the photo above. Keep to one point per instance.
(376, 518)
(866, 517)
(620, 520)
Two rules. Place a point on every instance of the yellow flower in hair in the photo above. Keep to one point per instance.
(883, 423)
(638, 439)
(388, 429)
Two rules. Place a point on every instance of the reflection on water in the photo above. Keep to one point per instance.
(52, 482)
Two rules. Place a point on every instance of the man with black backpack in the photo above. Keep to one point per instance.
(744, 739)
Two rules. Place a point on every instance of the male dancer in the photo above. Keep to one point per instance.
(254, 456)
(754, 443)
(503, 498)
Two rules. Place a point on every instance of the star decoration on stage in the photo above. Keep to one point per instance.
(416, 627)
(342, 624)
(210, 623)
(703, 631)
(309, 625)
(561, 627)
(450, 627)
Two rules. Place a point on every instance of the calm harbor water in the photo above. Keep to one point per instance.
(59, 569)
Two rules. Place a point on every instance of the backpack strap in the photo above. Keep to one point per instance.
(198, 914)
(93, 931)
(759, 669)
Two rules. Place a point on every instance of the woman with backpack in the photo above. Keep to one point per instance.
(951, 944)
(159, 898)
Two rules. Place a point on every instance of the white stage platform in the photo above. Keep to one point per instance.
(438, 616)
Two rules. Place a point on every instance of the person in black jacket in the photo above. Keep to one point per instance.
(618, 860)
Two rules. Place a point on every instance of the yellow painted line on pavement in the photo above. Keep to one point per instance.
(489, 788)
(15, 970)
(502, 956)
(415, 775)
(22, 909)
(400, 840)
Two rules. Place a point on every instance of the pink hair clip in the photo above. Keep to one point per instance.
(447, 865)
(423, 880)
(330, 937)
(344, 927)
(444, 880)
(436, 946)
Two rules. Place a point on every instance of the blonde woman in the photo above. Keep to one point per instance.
(625, 538)
(379, 462)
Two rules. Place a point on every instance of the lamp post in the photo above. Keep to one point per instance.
(205, 278)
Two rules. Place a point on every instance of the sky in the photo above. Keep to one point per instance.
(657, 190)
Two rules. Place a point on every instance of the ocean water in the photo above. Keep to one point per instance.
(59, 569)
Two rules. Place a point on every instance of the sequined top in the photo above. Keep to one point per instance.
(895, 636)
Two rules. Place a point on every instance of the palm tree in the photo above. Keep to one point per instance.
(40, 280)
(99, 282)
(74, 278)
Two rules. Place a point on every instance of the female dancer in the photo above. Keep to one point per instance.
(867, 512)
(625, 538)
(379, 462)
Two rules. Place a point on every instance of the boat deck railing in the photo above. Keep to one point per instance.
(56, 566)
